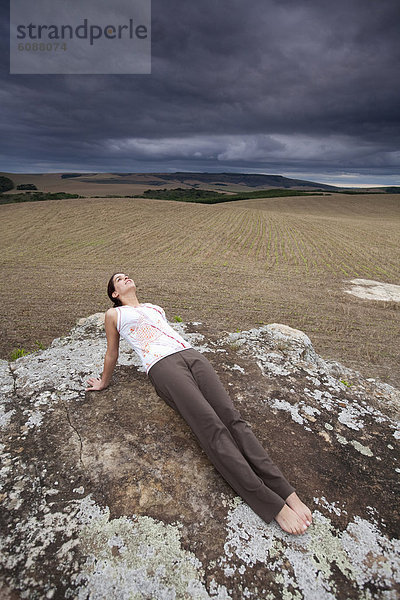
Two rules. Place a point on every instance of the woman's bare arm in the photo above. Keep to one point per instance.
(111, 356)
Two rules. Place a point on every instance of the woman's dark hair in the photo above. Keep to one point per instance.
(111, 289)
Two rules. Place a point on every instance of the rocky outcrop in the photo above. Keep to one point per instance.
(108, 496)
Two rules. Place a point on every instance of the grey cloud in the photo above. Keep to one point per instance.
(267, 84)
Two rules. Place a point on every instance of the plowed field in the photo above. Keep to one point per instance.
(234, 266)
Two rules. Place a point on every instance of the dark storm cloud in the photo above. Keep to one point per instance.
(286, 85)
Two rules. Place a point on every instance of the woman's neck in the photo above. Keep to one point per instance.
(130, 300)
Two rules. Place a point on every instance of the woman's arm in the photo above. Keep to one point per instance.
(111, 357)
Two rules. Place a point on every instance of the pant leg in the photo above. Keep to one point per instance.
(213, 390)
(175, 384)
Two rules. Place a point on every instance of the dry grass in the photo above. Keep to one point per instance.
(233, 265)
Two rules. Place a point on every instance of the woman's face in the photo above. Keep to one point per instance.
(123, 283)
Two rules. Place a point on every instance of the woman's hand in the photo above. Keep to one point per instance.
(96, 385)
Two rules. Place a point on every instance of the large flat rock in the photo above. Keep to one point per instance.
(108, 495)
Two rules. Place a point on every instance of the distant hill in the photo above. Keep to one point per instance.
(226, 179)
(128, 184)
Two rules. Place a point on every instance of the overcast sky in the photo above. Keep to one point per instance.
(302, 88)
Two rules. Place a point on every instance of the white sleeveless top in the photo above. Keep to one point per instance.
(147, 330)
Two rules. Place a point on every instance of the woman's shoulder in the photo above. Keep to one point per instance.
(111, 313)
(111, 319)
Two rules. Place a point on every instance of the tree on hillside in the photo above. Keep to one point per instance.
(6, 184)
(26, 186)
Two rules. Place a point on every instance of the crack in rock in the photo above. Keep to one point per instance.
(76, 431)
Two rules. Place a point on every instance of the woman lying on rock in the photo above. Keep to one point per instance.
(187, 382)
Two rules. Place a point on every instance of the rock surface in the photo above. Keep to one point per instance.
(108, 496)
(369, 289)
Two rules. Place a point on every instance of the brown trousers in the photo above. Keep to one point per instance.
(187, 382)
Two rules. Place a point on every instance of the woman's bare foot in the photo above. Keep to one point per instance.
(299, 508)
(290, 521)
